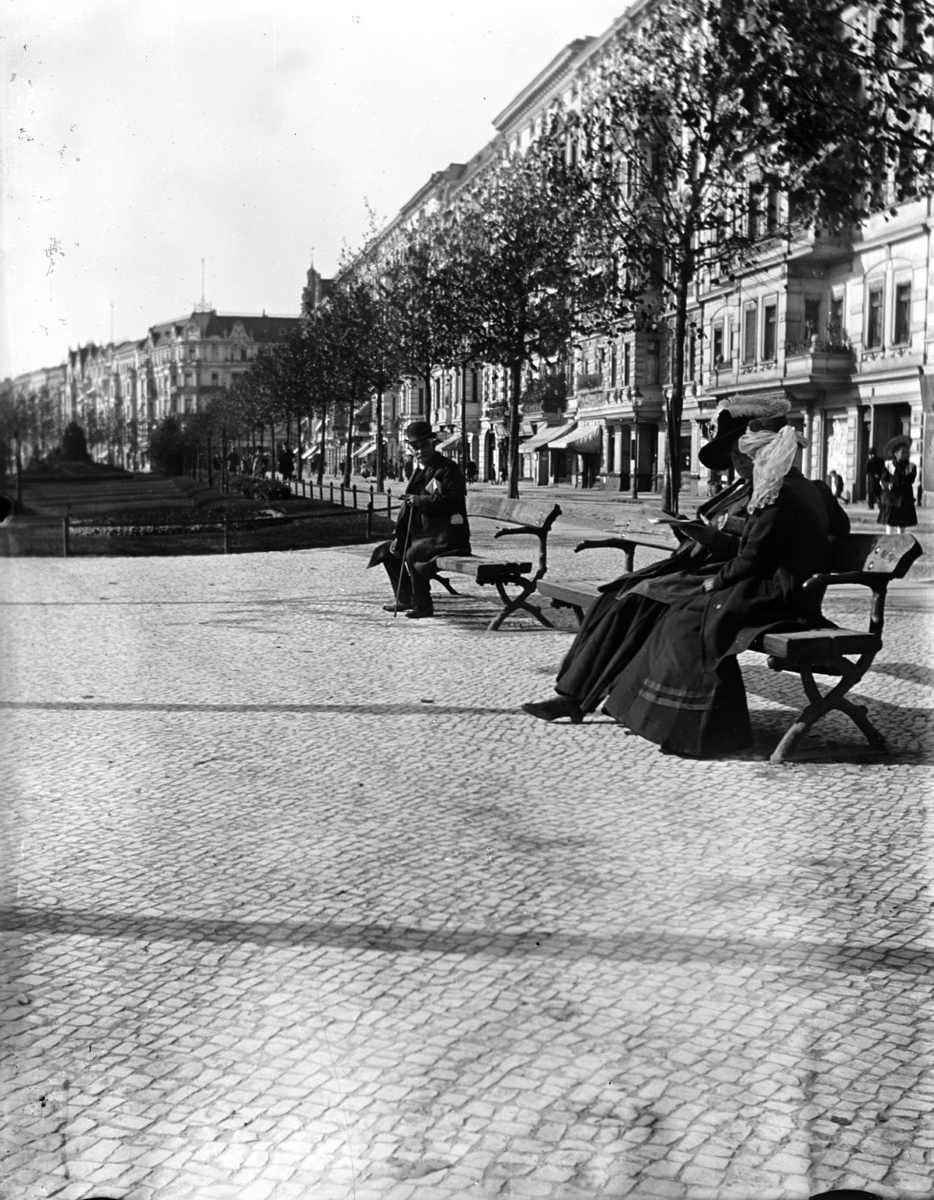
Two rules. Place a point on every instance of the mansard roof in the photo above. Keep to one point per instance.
(211, 324)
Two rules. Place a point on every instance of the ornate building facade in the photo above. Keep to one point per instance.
(844, 328)
(120, 391)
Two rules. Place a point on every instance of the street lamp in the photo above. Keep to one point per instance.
(636, 405)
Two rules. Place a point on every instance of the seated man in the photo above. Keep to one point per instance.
(432, 522)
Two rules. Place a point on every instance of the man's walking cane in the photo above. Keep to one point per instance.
(405, 550)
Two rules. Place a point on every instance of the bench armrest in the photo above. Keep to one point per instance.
(627, 545)
(539, 531)
(878, 582)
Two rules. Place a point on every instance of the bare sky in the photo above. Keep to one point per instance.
(140, 136)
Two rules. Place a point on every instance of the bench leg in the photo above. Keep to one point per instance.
(446, 584)
(517, 602)
(820, 705)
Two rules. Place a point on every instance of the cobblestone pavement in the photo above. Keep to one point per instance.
(300, 906)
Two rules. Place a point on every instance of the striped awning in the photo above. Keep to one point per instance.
(585, 439)
(450, 440)
(546, 434)
(369, 448)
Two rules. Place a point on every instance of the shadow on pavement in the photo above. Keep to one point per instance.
(650, 945)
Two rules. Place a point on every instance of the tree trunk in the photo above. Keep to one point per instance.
(210, 464)
(322, 445)
(380, 461)
(465, 453)
(19, 474)
(675, 406)
(515, 385)
(348, 460)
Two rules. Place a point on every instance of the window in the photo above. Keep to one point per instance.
(749, 334)
(874, 320)
(902, 330)
(473, 385)
(836, 319)
(627, 364)
(716, 352)
(812, 316)
(215, 378)
(652, 361)
(769, 332)
(613, 365)
(754, 212)
(773, 210)
(421, 400)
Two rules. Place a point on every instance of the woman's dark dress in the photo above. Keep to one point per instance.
(620, 620)
(897, 501)
(683, 687)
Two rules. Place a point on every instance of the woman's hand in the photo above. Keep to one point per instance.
(709, 584)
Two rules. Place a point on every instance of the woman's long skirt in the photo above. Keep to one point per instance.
(668, 694)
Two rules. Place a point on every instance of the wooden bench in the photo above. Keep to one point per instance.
(579, 594)
(870, 559)
(522, 517)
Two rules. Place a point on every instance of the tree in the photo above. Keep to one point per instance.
(424, 289)
(167, 447)
(17, 426)
(516, 240)
(713, 128)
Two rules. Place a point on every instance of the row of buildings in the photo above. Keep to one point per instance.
(844, 328)
(119, 391)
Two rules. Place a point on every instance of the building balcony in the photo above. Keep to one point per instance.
(590, 382)
(816, 246)
(816, 358)
(495, 410)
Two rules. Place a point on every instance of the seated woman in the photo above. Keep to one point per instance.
(784, 541)
(617, 624)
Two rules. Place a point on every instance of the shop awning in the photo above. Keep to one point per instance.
(546, 434)
(369, 448)
(451, 440)
(585, 439)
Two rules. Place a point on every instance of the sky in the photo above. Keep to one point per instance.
(138, 137)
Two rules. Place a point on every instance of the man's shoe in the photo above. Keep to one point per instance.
(554, 710)
(402, 607)
(416, 614)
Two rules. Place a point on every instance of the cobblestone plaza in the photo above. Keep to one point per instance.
(299, 905)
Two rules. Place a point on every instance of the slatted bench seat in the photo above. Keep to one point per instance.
(520, 517)
(579, 594)
(869, 559)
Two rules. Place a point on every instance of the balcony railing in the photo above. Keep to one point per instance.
(589, 381)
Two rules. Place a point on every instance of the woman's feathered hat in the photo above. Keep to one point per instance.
(734, 417)
(896, 444)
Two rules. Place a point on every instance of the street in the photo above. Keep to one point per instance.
(301, 906)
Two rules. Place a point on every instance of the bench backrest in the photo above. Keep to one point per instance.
(516, 512)
(874, 553)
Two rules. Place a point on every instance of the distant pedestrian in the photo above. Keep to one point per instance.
(286, 463)
(897, 507)
(873, 470)
(472, 472)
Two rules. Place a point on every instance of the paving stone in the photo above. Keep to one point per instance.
(326, 968)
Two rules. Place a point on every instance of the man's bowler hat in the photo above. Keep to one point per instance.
(419, 431)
